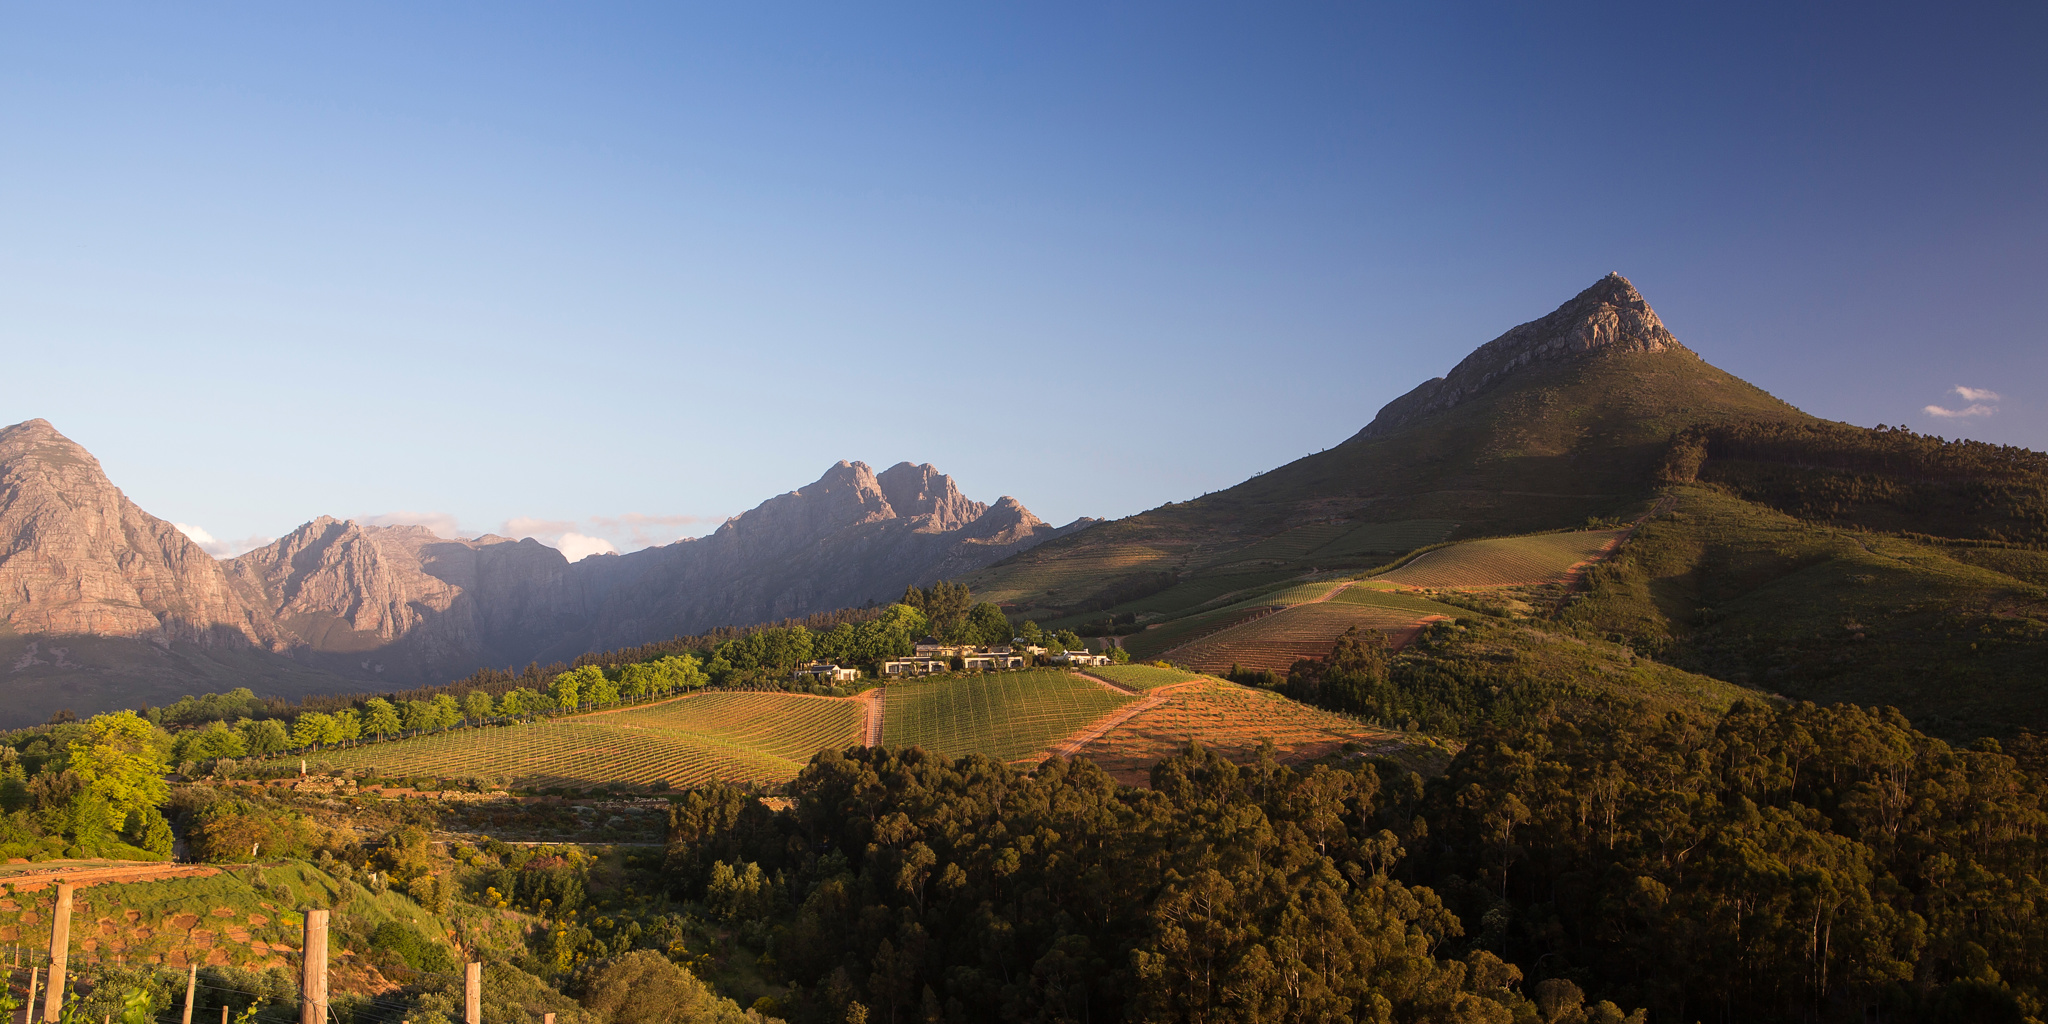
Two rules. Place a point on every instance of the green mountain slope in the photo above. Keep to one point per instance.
(1813, 559)
(1559, 420)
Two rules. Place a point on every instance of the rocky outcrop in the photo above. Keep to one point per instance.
(1610, 317)
(80, 559)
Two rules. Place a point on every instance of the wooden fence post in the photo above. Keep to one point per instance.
(191, 986)
(547, 1018)
(313, 970)
(28, 1011)
(473, 994)
(60, 950)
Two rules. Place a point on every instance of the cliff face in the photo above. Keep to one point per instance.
(851, 537)
(404, 604)
(1609, 317)
(80, 559)
(82, 567)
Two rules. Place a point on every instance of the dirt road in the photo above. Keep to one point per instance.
(31, 877)
(1101, 727)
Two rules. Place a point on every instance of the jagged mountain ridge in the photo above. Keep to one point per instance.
(104, 605)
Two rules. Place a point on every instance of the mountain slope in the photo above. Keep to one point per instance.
(1557, 420)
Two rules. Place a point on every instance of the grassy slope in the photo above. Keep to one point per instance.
(1953, 635)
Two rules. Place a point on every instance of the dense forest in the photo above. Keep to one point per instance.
(1776, 863)
(1887, 478)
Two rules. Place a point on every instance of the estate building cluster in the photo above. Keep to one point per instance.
(931, 657)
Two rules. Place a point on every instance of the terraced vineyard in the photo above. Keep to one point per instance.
(1505, 561)
(754, 737)
(1276, 641)
(1005, 715)
(1230, 719)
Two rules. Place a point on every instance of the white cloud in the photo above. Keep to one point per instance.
(576, 547)
(1983, 402)
(559, 534)
(440, 523)
(602, 534)
(220, 548)
(1968, 410)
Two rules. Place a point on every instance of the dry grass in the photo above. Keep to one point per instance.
(1505, 561)
(1231, 720)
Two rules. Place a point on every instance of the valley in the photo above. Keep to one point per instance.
(1584, 683)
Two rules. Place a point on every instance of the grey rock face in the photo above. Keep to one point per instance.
(1609, 317)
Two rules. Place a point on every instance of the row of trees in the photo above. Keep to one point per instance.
(379, 718)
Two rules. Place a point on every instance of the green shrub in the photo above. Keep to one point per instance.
(418, 952)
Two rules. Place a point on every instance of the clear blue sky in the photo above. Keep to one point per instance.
(576, 263)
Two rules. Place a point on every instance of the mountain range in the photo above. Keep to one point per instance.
(1770, 549)
(105, 605)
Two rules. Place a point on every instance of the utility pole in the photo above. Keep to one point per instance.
(472, 994)
(313, 970)
(191, 986)
(60, 950)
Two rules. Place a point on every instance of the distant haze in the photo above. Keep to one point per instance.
(607, 276)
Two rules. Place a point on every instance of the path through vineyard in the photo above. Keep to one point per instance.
(871, 716)
(1103, 726)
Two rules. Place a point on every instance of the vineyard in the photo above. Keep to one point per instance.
(1304, 631)
(1343, 540)
(1393, 601)
(1004, 715)
(1159, 639)
(1064, 580)
(1142, 677)
(1231, 720)
(1505, 561)
(755, 737)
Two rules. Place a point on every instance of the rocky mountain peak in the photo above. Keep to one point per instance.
(921, 490)
(1608, 318)
(77, 557)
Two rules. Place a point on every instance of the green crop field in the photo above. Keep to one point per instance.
(756, 737)
(1504, 561)
(1142, 677)
(1004, 715)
